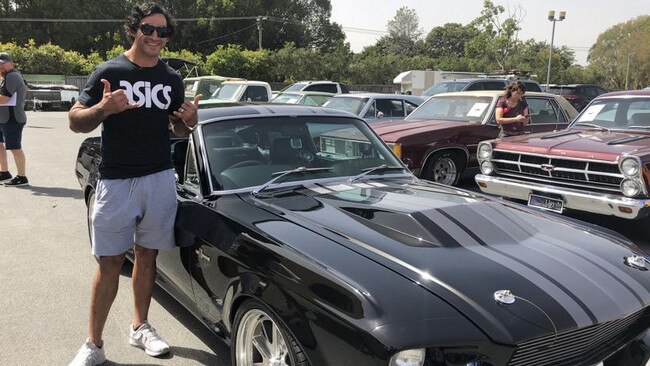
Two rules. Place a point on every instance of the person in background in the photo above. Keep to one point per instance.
(12, 121)
(135, 97)
(512, 110)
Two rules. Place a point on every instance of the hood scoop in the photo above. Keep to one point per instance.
(414, 229)
(559, 134)
(625, 140)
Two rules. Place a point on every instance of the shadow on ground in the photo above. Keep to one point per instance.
(220, 351)
(54, 192)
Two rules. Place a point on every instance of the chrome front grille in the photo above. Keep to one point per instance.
(573, 173)
(582, 346)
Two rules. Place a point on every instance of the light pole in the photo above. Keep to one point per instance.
(627, 72)
(551, 17)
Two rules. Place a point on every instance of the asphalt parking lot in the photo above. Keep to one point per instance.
(46, 267)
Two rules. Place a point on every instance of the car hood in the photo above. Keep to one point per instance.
(601, 145)
(391, 132)
(464, 247)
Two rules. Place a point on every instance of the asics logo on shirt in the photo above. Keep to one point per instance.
(142, 93)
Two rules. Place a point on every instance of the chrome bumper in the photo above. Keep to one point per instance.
(600, 203)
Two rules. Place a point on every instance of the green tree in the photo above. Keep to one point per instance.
(449, 40)
(404, 34)
(609, 56)
(497, 39)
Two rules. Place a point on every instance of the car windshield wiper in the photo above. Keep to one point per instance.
(592, 125)
(379, 167)
(283, 173)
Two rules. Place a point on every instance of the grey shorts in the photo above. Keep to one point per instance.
(138, 210)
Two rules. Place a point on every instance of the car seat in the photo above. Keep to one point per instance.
(283, 152)
(639, 119)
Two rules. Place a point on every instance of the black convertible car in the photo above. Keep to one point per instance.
(302, 240)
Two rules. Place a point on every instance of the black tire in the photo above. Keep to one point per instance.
(253, 317)
(444, 167)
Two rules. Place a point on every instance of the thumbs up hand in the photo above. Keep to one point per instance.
(114, 102)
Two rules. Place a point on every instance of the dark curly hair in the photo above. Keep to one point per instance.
(513, 87)
(144, 10)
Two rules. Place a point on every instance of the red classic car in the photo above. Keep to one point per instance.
(599, 164)
(438, 140)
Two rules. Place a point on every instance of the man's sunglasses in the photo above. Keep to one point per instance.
(163, 32)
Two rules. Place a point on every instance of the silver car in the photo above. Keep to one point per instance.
(376, 107)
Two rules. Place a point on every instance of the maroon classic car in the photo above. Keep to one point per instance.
(599, 164)
(438, 140)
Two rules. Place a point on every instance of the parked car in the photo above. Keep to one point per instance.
(479, 84)
(376, 107)
(319, 86)
(302, 97)
(50, 97)
(599, 164)
(240, 91)
(438, 140)
(205, 85)
(579, 95)
(300, 252)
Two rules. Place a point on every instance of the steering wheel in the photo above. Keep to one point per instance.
(245, 163)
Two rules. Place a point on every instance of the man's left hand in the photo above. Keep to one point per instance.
(188, 112)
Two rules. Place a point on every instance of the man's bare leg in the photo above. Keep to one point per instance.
(105, 285)
(19, 158)
(143, 276)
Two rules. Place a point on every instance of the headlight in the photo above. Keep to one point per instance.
(630, 188)
(409, 357)
(487, 168)
(630, 167)
(484, 151)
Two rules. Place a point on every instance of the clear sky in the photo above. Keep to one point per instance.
(365, 21)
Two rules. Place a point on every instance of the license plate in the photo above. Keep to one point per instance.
(546, 203)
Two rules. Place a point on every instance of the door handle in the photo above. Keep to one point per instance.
(202, 254)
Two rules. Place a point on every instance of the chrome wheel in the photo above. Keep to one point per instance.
(445, 171)
(260, 342)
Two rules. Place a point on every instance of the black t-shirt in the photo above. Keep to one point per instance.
(136, 142)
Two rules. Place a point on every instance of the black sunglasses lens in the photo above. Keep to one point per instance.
(163, 32)
(147, 29)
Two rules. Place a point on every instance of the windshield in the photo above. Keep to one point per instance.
(249, 152)
(446, 87)
(227, 92)
(623, 113)
(454, 108)
(352, 105)
(286, 98)
(295, 87)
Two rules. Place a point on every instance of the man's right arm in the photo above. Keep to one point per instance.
(85, 119)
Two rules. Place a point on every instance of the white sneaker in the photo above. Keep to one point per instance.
(89, 355)
(146, 338)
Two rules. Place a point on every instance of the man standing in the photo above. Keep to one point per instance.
(135, 97)
(12, 121)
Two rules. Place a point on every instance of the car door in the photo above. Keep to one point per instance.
(391, 109)
(545, 115)
(174, 265)
(204, 237)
